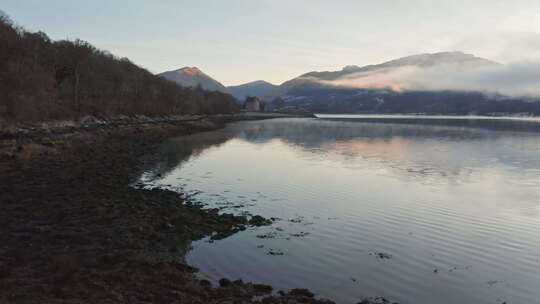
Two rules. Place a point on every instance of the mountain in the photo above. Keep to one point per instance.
(438, 83)
(456, 60)
(259, 88)
(192, 77)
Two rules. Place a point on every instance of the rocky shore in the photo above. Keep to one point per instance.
(72, 230)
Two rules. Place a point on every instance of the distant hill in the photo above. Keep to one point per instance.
(192, 77)
(403, 86)
(42, 79)
(421, 61)
(424, 83)
(259, 88)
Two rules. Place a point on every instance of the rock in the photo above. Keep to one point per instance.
(275, 252)
(378, 300)
(90, 120)
(258, 221)
(381, 255)
(301, 292)
(262, 288)
(225, 282)
(269, 235)
(205, 283)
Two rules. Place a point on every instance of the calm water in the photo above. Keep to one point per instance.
(418, 212)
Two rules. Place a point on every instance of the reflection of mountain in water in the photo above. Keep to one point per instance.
(421, 149)
(306, 131)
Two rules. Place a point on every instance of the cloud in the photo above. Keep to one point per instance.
(520, 79)
(501, 46)
(397, 79)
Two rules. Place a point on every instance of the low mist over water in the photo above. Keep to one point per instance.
(440, 212)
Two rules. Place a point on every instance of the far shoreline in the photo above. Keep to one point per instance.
(429, 116)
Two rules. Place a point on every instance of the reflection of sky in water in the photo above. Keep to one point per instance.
(462, 200)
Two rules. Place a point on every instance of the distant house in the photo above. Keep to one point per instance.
(254, 104)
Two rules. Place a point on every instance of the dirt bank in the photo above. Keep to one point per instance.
(73, 231)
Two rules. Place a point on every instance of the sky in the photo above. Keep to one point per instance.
(238, 41)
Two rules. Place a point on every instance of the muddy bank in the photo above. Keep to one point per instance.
(73, 231)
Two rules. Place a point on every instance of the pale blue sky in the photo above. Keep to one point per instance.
(240, 41)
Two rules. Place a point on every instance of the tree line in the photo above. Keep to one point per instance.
(42, 79)
(345, 100)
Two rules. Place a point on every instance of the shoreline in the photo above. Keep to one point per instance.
(73, 231)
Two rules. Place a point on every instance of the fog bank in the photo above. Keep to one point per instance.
(520, 79)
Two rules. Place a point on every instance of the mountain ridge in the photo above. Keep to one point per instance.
(424, 60)
(437, 83)
(192, 77)
(260, 88)
(317, 79)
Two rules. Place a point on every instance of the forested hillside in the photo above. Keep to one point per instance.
(41, 79)
(347, 100)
